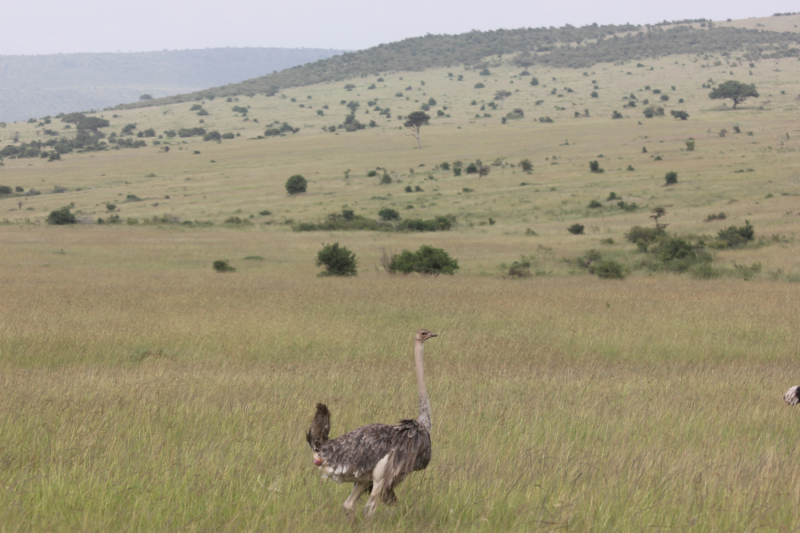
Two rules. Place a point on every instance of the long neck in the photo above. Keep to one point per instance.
(424, 403)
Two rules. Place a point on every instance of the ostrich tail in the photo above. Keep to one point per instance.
(320, 427)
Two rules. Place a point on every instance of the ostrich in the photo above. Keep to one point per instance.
(792, 396)
(377, 457)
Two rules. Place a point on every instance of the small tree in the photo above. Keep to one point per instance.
(683, 115)
(501, 95)
(296, 184)
(671, 178)
(690, 145)
(387, 213)
(594, 166)
(61, 217)
(336, 261)
(145, 97)
(526, 165)
(658, 212)
(735, 90)
(426, 260)
(414, 121)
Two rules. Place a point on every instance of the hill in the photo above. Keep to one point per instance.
(35, 86)
(566, 47)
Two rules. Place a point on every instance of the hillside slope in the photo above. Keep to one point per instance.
(568, 47)
(35, 86)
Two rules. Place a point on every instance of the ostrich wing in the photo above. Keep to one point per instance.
(355, 454)
(410, 450)
(792, 396)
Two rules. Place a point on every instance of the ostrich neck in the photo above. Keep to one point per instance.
(424, 403)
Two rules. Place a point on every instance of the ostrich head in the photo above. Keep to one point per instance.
(424, 334)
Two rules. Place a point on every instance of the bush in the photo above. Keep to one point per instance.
(616, 114)
(594, 166)
(521, 268)
(388, 213)
(4, 189)
(296, 184)
(595, 204)
(526, 165)
(734, 237)
(683, 115)
(671, 178)
(336, 261)
(608, 269)
(221, 265)
(61, 217)
(576, 229)
(472, 168)
(643, 234)
(426, 260)
(479, 85)
(213, 136)
(439, 223)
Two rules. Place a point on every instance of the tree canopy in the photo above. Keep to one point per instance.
(414, 121)
(735, 90)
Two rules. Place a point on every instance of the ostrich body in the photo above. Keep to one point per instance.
(792, 396)
(375, 456)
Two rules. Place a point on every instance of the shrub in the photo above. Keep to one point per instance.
(213, 136)
(526, 165)
(296, 184)
(671, 178)
(479, 85)
(595, 204)
(388, 213)
(734, 237)
(61, 217)
(336, 261)
(608, 269)
(221, 265)
(265, 213)
(616, 114)
(440, 223)
(643, 234)
(594, 166)
(690, 145)
(521, 268)
(4, 189)
(576, 229)
(426, 260)
(683, 115)
(472, 168)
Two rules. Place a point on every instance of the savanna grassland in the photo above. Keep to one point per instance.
(144, 391)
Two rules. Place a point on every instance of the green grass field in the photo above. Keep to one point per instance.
(142, 391)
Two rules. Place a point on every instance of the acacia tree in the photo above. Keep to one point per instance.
(415, 121)
(735, 90)
(501, 95)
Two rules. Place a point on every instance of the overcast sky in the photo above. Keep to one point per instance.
(62, 26)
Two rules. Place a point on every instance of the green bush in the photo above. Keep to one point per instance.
(472, 168)
(61, 217)
(388, 213)
(576, 229)
(221, 265)
(734, 237)
(4, 189)
(426, 260)
(521, 268)
(296, 184)
(526, 165)
(440, 223)
(595, 204)
(608, 269)
(671, 178)
(643, 234)
(336, 261)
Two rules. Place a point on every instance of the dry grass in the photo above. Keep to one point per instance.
(150, 393)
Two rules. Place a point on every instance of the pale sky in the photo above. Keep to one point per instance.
(62, 26)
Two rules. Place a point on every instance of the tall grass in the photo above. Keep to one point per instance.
(158, 398)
